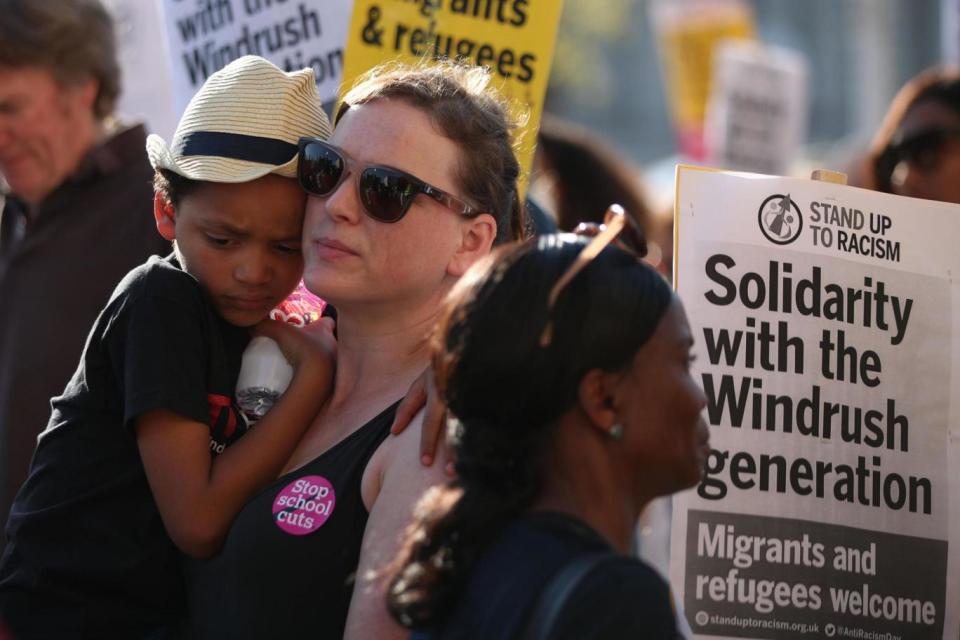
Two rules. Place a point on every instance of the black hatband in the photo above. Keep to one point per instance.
(238, 147)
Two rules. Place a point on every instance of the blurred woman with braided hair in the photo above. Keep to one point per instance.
(567, 378)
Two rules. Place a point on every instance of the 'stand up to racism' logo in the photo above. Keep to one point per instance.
(780, 219)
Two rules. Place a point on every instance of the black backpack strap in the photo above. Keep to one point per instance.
(555, 595)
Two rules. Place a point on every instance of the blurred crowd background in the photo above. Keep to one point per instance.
(629, 76)
(607, 73)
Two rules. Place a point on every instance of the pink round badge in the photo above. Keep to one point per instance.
(304, 505)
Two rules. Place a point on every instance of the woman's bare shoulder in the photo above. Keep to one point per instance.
(397, 462)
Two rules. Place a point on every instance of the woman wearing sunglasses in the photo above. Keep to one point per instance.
(417, 182)
(565, 366)
(917, 150)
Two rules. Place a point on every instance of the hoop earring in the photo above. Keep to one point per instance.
(616, 432)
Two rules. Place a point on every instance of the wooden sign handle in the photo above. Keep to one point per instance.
(825, 175)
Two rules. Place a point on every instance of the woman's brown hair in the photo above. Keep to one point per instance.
(466, 109)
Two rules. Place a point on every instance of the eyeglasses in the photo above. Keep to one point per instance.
(617, 226)
(385, 193)
(922, 150)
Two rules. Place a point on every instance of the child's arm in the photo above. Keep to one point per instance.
(197, 496)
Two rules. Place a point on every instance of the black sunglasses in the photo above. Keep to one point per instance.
(922, 150)
(619, 228)
(385, 193)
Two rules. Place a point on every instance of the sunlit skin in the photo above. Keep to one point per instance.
(242, 242)
(941, 181)
(45, 129)
(352, 259)
(660, 406)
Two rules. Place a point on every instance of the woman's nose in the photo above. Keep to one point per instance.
(343, 204)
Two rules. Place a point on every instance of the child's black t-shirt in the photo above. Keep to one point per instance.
(88, 553)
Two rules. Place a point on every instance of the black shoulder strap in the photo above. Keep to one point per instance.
(554, 596)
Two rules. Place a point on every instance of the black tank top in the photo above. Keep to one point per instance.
(287, 566)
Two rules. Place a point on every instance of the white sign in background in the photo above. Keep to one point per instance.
(167, 48)
(203, 36)
(145, 72)
(831, 510)
(757, 111)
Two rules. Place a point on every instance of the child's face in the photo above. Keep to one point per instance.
(242, 242)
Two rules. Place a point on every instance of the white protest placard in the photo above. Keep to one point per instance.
(827, 323)
(757, 111)
(203, 36)
(144, 97)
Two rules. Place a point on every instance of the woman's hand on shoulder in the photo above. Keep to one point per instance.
(423, 394)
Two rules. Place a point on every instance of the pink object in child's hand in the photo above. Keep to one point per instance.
(300, 308)
(264, 372)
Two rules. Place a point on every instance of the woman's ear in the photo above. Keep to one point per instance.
(163, 215)
(478, 235)
(595, 395)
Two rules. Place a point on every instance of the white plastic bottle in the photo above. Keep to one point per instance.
(264, 375)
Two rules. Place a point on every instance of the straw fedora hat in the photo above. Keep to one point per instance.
(243, 123)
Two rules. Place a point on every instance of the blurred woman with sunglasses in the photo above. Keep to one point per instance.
(417, 182)
(917, 150)
(573, 406)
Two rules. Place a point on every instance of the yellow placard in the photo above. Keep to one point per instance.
(514, 38)
(688, 58)
(687, 34)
